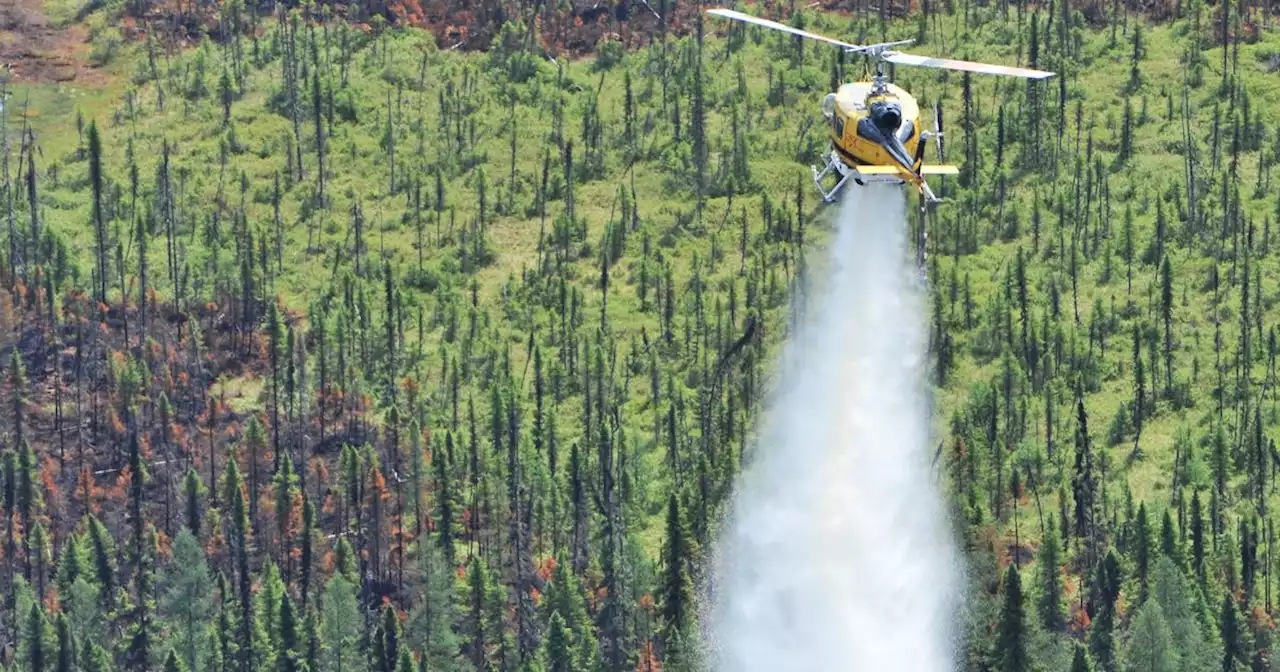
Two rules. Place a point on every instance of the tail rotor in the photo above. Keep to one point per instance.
(937, 131)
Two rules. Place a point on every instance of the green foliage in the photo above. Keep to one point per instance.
(342, 624)
(1011, 650)
(431, 620)
(1150, 645)
(187, 602)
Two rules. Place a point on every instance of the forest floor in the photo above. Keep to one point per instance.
(37, 48)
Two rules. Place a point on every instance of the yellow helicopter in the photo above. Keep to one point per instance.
(874, 126)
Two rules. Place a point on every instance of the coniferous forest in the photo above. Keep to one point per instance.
(426, 335)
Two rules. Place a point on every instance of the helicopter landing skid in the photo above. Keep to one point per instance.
(834, 164)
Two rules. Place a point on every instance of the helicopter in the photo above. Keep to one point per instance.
(874, 126)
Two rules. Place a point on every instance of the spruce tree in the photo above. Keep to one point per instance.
(172, 663)
(1169, 546)
(386, 641)
(1080, 661)
(1197, 537)
(1106, 592)
(1011, 630)
(194, 491)
(187, 603)
(445, 501)
(342, 624)
(98, 214)
(1051, 614)
(103, 551)
(1235, 654)
(66, 644)
(142, 636)
(306, 560)
(289, 656)
(34, 645)
(1142, 550)
(557, 652)
(1150, 645)
(677, 589)
(431, 620)
(95, 658)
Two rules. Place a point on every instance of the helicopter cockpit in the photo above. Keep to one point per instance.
(885, 126)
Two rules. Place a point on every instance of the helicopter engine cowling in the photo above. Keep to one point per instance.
(887, 116)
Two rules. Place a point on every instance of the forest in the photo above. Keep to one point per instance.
(333, 340)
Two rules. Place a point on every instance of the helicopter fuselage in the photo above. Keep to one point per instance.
(875, 134)
(874, 128)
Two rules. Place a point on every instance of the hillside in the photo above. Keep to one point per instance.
(375, 316)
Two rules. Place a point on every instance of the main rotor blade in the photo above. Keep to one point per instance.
(747, 18)
(970, 66)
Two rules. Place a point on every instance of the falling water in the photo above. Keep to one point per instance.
(837, 554)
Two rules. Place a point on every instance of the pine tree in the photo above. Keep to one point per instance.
(137, 477)
(267, 632)
(226, 94)
(342, 624)
(386, 641)
(566, 599)
(1080, 662)
(66, 645)
(1052, 617)
(194, 492)
(187, 603)
(1142, 550)
(1166, 316)
(40, 555)
(1150, 645)
(1168, 539)
(98, 215)
(1106, 589)
(35, 643)
(286, 486)
(1084, 483)
(1185, 616)
(143, 633)
(95, 659)
(18, 387)
(1235, 655)
(431, 621)
(557, 653)
(1197, 537)
(445, 501)
(289, 654)
(238, 522)
(1011, 631)
(313, 644)
(677, 589)
(476, 624)
(172, 663)
(103, 551)
(73, 563)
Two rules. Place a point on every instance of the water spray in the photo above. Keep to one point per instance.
(837, 554)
